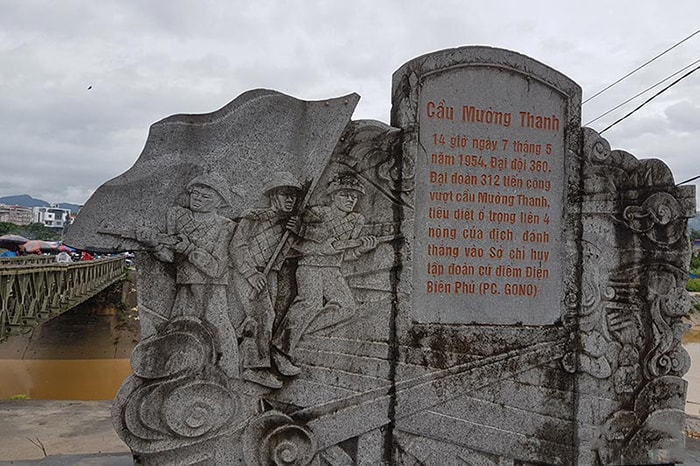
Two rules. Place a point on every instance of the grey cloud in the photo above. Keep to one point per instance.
(146, 60)
(684, 116)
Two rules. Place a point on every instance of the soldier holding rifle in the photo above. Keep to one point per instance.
(257, 261)
(328, 236)
(197, 243)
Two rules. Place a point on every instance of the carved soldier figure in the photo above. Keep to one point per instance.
(256, 240)
(328, 236)
(197, 242)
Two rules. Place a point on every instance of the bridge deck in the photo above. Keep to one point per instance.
(35, 289)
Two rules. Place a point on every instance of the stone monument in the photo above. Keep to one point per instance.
(482, 282)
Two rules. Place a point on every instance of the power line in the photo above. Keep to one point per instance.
(653, 97)
(688, 180)
(640, 67)
(640, 93)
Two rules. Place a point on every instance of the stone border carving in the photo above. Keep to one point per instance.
(629, 349)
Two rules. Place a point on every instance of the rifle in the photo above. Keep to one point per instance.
(285, 236)
(343, 244)
(162, 238)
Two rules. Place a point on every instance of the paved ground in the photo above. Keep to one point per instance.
(80, 433)
(100, 459)
(53, 433)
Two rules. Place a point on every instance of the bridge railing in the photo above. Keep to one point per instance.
(32, 259)
(32, 292)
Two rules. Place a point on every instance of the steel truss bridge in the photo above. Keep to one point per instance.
(34, 289)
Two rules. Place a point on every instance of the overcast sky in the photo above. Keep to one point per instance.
(81, 81)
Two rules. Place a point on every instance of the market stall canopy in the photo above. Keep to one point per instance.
(34, 246)
(11, 241)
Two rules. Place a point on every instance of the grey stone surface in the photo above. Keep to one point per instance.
(635, 258)
(491, 185)
(290, 294)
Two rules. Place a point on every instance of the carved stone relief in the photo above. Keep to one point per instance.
(276, 245)
(635, 240)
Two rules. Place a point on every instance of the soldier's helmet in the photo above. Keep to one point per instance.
(345, 181)
(281, 180)
(214, 181)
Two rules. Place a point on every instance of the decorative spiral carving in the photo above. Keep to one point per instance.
(291, 445)
(194, 409)
(571, 300)
(681, 361)
(676, 303)
(674, 362)
(568, 363)
(600, 151)
(167, 355)
(591, 295)
(609, 292)
(184, 345)
(664, 214)
(132, 399)
(277, 440)
(597, 148)
(657, 218)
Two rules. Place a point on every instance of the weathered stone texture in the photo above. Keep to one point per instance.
(293, 312)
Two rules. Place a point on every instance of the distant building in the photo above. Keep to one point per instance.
(16, 214)
(53, 216)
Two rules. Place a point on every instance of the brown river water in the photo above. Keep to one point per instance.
(58, 379)
(82, 354)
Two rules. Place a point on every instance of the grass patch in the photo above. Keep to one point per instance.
(693, 285)
(20, 396)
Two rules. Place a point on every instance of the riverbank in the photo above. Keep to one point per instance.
(36, 430)
(80, 433)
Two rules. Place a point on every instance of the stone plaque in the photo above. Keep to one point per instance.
(490, 194)
(482, 282)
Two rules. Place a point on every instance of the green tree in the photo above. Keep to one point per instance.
(7, 227)
(41, 231)
(695, 265)
(31, 231)
(694, 234)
